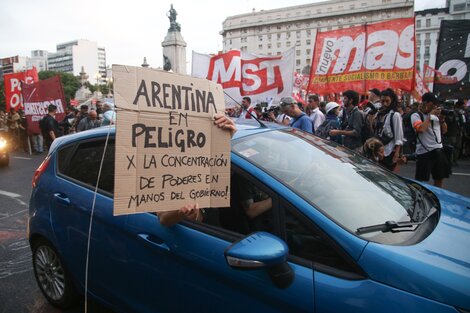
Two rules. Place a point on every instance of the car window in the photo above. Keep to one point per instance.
(305, 242)
(62, 157)
(85, 163)
(252, 208)
(343, 185)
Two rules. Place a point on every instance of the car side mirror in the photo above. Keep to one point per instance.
(262, 250)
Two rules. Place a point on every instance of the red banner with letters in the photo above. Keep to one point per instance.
(12, 83)
(263, 78)
(38, 96)
(379, 55)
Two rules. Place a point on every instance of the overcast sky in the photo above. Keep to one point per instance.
(129, 30)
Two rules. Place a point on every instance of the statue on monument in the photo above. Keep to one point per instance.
(166, 63)
(174, 26)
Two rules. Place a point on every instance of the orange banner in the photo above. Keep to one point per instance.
(380, 55)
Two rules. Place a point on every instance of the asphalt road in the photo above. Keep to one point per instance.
(19, 292)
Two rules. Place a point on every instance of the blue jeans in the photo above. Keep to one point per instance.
(38, 144)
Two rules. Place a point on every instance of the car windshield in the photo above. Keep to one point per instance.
(348, 188)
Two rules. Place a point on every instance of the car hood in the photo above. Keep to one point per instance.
(438, 267)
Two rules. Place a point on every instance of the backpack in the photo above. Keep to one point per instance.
(366, 131)
(43, 125)
(413, 136)
(324, 129)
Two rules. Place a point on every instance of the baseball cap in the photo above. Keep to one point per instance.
(287, 101)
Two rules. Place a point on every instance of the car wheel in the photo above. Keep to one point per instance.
(51, 276)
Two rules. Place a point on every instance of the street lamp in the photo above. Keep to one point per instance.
(109, 82)
(98, 76)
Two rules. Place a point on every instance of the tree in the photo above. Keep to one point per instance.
(70, 83)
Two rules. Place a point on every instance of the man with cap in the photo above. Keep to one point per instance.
(429, 125)
(299, 119)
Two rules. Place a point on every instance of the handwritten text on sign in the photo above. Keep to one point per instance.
(168, 151)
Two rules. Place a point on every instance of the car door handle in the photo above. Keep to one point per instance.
(61, 198)
(154, 241)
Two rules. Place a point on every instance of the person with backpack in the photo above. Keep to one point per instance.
(388, 128)
(332, 121)
(429, 125)
(354, 122)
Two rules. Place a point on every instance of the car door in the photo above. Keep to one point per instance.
(73, 200)
(187, 260)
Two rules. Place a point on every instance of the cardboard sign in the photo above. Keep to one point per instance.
(168, 151)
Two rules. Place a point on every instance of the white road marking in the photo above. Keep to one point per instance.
(22, 158)
(13, 196)
(461, 174)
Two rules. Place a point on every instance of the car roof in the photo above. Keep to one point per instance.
(245, 127)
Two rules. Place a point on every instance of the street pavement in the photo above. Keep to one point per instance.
(19, 292)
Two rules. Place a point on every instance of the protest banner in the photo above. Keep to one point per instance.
(37, 97)
(420, 87)
(379, 55)
(246, 74)
(169, 152)
(12, 83)
(453, 59)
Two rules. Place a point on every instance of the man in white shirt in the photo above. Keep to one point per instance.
(247, 110)
(316, 115)
(429, 124)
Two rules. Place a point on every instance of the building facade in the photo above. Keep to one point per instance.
(72, 56)
(14, 64)
(272, 32)
(39, 59)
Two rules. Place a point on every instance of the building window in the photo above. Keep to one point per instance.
(297, 34)
(269, 46)
(426, 52)
(260, 38)
(260, 47)
(307, 52)
(269, 37)
(278, 26)
(428, 22)
(418, 24)
(269, 53)
(308, 61)
(309, 32)
(245, 31)
(308, 42)
(297, 42)
(297, 53)
(278, 53)
(278, 44)
(287, 35)
(459, 7)
(278, 36)
(287, 43)
(297, 62)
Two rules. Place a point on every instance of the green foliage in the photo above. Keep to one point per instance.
(90, 86)
(70, 83)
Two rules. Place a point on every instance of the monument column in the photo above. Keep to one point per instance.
(174, 46)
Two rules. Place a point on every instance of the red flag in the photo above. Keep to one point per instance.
(37, 98)
(379, 55)
(12, 83)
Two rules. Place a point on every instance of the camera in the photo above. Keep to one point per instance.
(447, 112)
(266, 111)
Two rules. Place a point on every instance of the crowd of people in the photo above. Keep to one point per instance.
(381, 127)
(14, 125)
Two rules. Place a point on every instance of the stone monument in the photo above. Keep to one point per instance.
(83, 93)
(174, 46)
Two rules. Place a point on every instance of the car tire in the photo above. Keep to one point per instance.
(51, 276)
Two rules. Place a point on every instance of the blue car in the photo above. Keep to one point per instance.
(340, 235)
